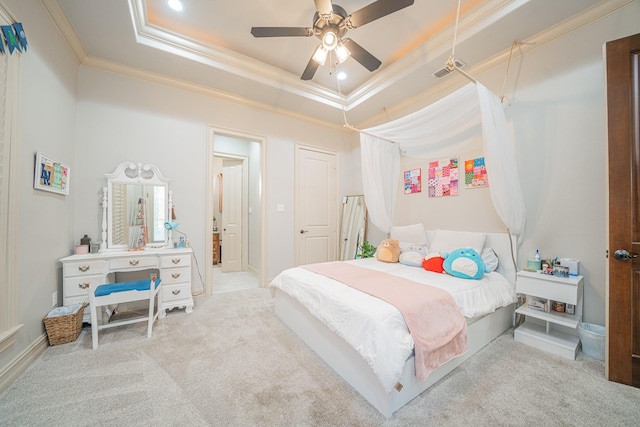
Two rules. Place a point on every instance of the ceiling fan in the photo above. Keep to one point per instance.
(330, 24)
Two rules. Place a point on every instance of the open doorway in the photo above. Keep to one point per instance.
(235, 211)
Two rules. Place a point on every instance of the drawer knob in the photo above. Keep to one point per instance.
(83, 285)
(134, 262)
(84, 268)
(175, 260)
(175, 275)
(175, 291)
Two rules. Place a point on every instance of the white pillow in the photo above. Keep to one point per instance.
(448, 240)
(489, 258)
(409, 234)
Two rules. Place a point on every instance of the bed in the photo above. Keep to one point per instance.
(387, 379)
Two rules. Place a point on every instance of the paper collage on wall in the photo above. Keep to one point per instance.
(443, 178)
(413, 181)
(51, 175)
(475, 173)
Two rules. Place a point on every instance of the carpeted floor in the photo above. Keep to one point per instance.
(233, 363)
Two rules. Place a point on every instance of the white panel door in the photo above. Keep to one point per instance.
(231, 218)
(316, 210)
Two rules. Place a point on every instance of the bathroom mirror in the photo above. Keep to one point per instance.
(137, 205)
(354, 219)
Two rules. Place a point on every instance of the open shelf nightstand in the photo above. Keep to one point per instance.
(551, 331)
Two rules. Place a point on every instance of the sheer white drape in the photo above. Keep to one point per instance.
(416, 133)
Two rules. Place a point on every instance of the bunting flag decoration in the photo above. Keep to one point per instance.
(10, 38)
(14, 37)
(22, 37)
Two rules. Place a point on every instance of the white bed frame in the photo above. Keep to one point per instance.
(350, 365)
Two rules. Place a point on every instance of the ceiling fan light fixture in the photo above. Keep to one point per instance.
(329, 40)
(320, 55)
(342, 52)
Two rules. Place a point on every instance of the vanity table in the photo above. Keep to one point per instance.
(172, 265)
(135, 243)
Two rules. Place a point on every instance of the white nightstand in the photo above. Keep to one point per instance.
(551, 331)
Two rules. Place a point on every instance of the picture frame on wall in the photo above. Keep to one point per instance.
(51, 175)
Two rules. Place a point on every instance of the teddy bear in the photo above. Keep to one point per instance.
(413, 255)
(465, 263)
(388, 251)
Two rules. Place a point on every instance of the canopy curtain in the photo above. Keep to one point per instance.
(415, 133)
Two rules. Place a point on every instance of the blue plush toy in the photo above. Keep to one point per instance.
(413, 255)
(465, 263)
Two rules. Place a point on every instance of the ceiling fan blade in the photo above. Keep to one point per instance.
(374, 11)
(281, 32)
(311, 69)
(361, 55)
(324, 7)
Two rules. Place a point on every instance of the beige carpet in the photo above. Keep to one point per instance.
(233, 363)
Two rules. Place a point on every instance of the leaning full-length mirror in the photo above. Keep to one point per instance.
(354, 215)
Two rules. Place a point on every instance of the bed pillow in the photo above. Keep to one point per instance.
(448, 241)
(409, 235)
(490, 259)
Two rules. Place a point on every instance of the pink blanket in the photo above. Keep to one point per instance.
(437, 327)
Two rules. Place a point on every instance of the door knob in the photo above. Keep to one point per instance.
(623, 255)
(304, 231)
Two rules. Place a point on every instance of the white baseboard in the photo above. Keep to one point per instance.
(18, 365)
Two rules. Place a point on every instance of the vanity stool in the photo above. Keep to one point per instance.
(117, 293)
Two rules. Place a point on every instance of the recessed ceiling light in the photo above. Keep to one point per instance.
(175, 5)
(341, 75)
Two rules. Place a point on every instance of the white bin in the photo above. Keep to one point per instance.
(592, 337)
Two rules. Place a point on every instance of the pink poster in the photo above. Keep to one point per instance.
(443, 178)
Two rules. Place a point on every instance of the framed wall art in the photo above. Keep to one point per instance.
(412, 181)
(51, 175)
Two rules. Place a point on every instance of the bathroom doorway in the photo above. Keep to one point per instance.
(234, 211)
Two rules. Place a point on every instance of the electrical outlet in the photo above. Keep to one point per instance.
(54, 299)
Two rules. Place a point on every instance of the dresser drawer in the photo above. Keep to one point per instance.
(77, 286)
(133, 263)
(175, 292)
(171, 276)
(564, 289)
(183, 260)
(84, 268)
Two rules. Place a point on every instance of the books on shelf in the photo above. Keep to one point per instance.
(536, 303)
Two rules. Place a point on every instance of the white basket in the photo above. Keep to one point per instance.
(592, 337)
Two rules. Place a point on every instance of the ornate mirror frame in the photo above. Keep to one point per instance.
(122, 185)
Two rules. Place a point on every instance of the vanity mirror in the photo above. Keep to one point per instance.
(136, 203)
(354, 215)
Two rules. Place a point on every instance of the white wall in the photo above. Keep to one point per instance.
(48, 96)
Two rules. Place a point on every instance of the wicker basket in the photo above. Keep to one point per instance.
(64, 328)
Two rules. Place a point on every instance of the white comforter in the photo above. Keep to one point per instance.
(375, 328)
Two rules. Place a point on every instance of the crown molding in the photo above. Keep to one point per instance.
(140, 74)
(249, 68)
(60, 19)
(225, 59)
